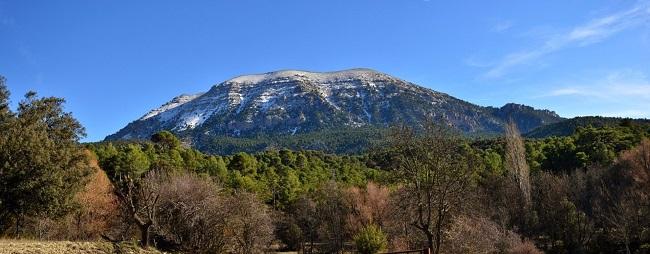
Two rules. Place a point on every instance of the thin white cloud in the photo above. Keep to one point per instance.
(591, 32)
(475, 62)
(625, 93)
(627, 113)
(616, 86)
(566, 91)
(502, 26)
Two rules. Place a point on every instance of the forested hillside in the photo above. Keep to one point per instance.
(277, 176)
(569, 126)
(418, 188)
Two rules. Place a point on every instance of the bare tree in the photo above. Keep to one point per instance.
(139, 198)
(367, 206)
(620, 213)
(304, 211)
(249, 224)
(477, 234)
(332, 212)
(625, 203)
(434, 173)
(192, 215)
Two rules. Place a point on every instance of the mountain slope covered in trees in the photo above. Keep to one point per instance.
(569, 126)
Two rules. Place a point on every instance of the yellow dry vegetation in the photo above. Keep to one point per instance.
(67, 247)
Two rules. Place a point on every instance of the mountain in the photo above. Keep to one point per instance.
(569, 126)
(527, 118)
(297, 103)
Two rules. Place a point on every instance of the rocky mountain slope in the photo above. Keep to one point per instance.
(286, 103)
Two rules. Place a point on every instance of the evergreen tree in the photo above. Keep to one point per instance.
(166, 140)
(42, 165)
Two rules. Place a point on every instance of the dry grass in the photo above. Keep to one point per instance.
(66, 247)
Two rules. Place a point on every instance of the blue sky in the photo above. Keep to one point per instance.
(115, 60)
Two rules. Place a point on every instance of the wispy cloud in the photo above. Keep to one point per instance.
(475, 62)
(627, 113)
(593, 31)
(616, 86)
(627, 91)
(502, 26)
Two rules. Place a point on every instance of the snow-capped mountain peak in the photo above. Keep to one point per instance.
(294, 102)
(322, 77)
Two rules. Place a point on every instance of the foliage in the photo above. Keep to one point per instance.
(338, 141)
(97, 211)
(587, 192)
(370, 240)
(278, 177)
(585, 195)
(166, 139)
(568, 127)
(586, 147)
(42, 166)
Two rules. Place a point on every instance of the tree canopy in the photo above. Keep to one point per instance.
(42, 165)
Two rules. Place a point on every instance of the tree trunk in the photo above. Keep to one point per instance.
(144, 234)
(438, 241)
(430, 240)
(19, 222)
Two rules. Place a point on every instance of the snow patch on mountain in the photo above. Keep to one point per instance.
(295, 102)
(175, 102)
(321, 77)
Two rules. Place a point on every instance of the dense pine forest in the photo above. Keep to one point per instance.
(587, 192)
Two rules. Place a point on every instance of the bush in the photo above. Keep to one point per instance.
(195, 216)
(370, 240)
(525, 247)
(249, 224)
(289, 233)
(469, 234)
(192, 215)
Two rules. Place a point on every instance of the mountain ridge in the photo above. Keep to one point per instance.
(293, 102)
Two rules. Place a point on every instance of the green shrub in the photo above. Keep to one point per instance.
(370, 240)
